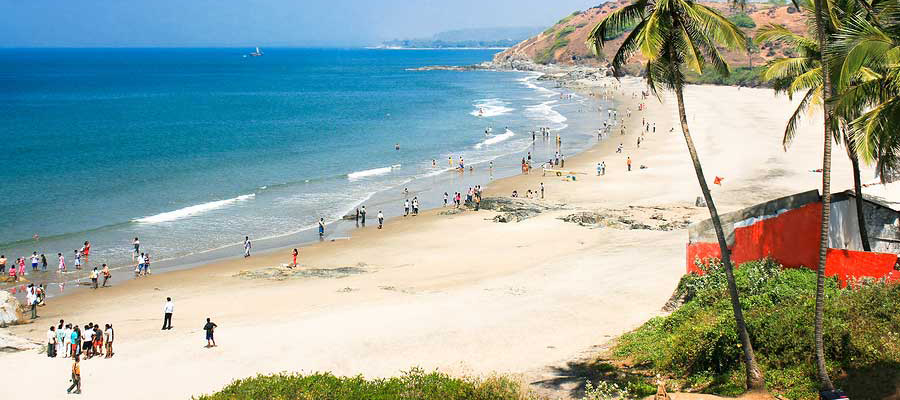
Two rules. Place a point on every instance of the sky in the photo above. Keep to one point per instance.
(236, 23)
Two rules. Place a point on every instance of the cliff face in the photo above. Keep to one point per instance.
(565, 42)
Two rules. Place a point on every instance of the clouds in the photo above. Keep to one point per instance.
(187, 23)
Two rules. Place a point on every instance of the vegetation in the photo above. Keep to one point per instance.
(565, 32)
(415, 384)
(698, 345)
(673, 35)
(547, 55)
(850, 65)
(742, 20)
(743, 76)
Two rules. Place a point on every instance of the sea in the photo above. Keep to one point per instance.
(191, 150)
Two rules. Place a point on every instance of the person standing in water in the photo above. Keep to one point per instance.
(321, 228)
(62, 262)
(43, 262)
(362, 213)
(247, 246)
(95, 275)
(34, 261)
(137, 248)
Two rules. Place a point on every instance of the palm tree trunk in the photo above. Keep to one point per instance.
(755, 379)
(857, 186)
(824, 379)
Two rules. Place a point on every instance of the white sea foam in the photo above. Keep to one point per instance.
(193, 210)
(490, 108)
(528, 81)
(371, 172)
(495, 139)
(545, 112)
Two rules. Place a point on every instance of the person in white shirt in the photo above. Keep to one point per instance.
(247, 246)
(51, 342)
(31, 298)
(34, 261)
(380, 219)
(168, 310)
(108, 340)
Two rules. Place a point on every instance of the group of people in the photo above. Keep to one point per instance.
(410, 207)
(71, 340)
(19, 268)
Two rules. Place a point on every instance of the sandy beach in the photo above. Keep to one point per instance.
(456, 292)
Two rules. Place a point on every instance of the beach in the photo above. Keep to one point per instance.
(453, 291)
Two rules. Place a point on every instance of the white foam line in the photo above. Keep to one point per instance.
(192, 210)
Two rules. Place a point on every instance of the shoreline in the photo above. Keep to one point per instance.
(456, 292)
(338, 228)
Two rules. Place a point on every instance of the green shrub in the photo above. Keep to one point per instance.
(415, 384)
(742, 20)
(565, 32)
(742, 76)
(698, 343)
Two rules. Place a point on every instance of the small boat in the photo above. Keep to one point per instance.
(256, 53)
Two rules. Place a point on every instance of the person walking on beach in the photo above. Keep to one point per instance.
(380, 219)
(168, 310)
(406, 207)
(542, 190)
(294, 255)
(446, 197)
(95, 275)
(76, 377)
(362, 214)
(415, 205)
(210, 328)
(106, 274)
(247, 246)
(629, 163)
(321, 228)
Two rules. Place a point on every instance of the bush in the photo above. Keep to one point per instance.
(698, 343)
(415, 384)
(742, 76)
(742, 20)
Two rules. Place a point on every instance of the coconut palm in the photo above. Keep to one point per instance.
(867, 49)
(673, 35)
(803, 74)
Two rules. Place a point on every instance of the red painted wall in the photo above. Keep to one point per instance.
(792, 238)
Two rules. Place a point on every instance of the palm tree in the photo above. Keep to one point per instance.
(803, 73)
(868, 51)
(672, 35)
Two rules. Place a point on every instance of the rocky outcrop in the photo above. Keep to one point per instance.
(514, 209)
(10, 343)
(10, 314)
(635, 217)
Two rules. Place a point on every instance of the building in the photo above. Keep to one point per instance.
(788, 230)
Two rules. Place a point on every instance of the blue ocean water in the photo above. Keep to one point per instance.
(192, 149)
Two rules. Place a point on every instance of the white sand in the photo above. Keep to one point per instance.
(459, 293)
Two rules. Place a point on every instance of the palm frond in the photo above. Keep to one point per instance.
(617, 20)
(790, 130)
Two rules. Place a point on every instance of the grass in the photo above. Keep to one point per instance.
(547, 55)
(697, 344)
(415, 384)
(742, 20)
